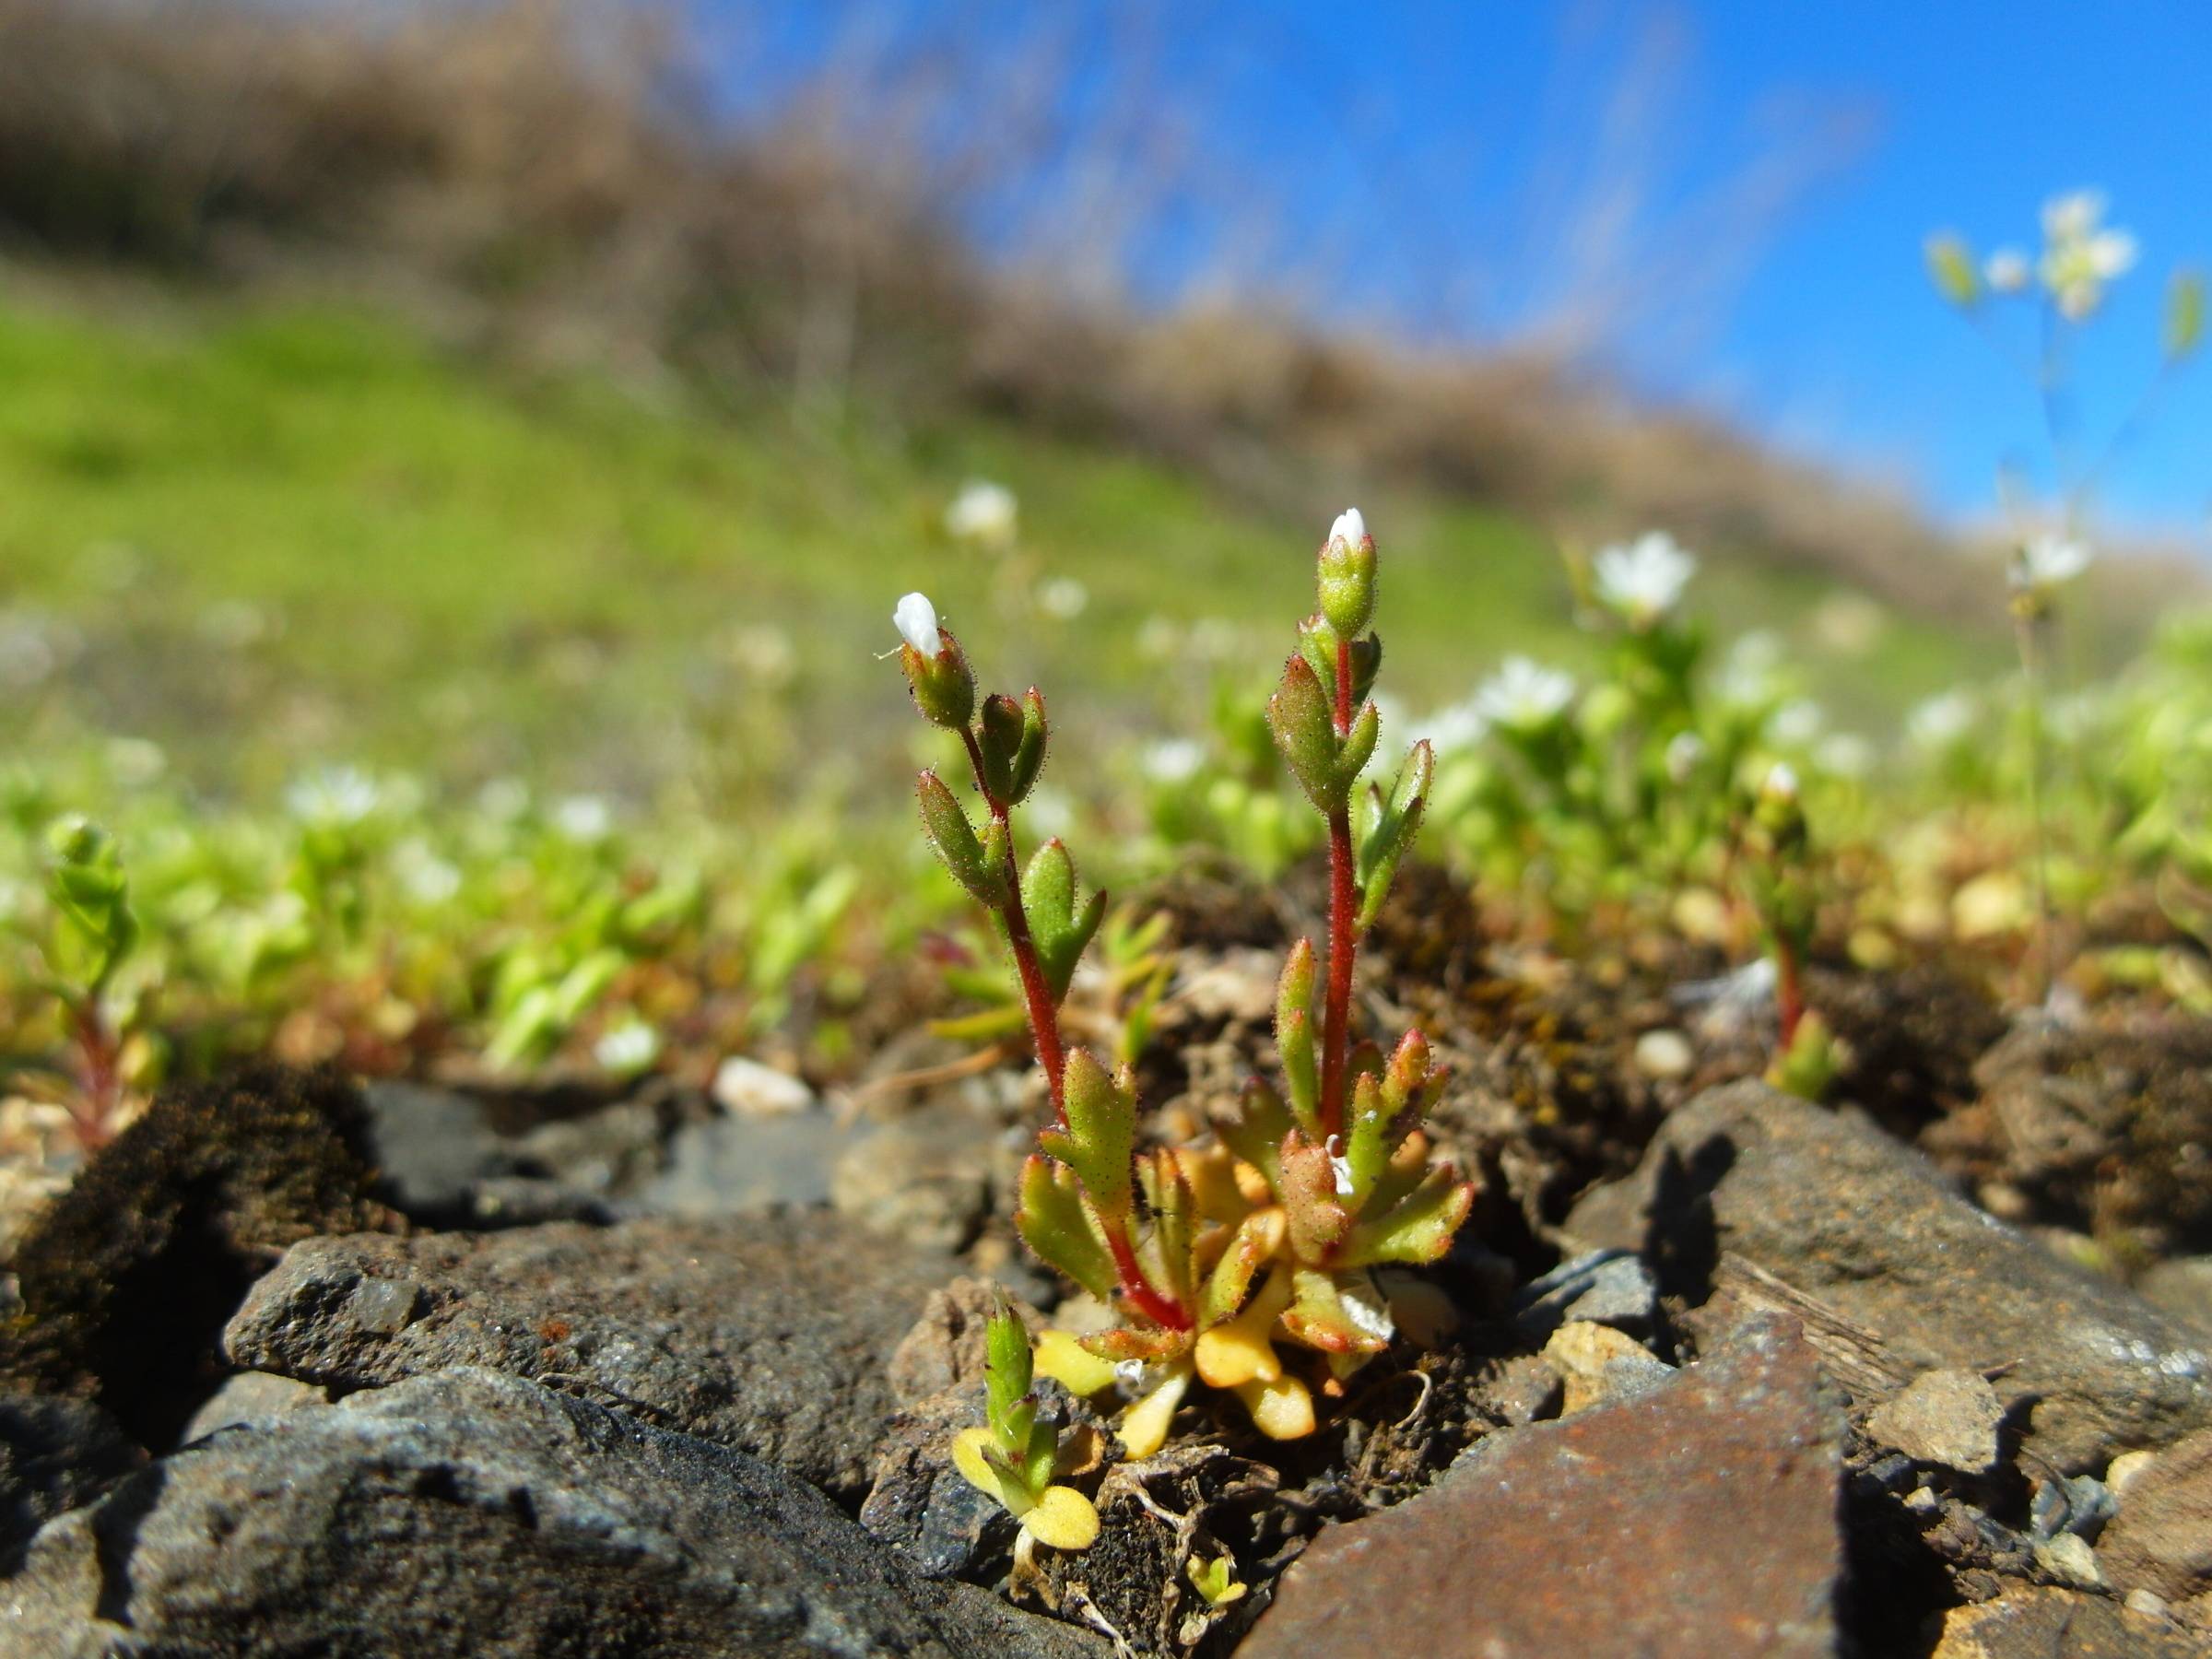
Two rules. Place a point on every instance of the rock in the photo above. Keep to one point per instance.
(431, 1146)
(2070, 1503)
(2162, 1539)
(2127, 1469)
(127, 1279)
(1595, 1362)
(924, 1178)
(920, 1506)
(2183, 1288)
(252, 1398)
(1520, 1389)
(474, 1514)
(750, 1089)
(1839, 1210)
(945, 1347)
(2070, 1561)
(744, 1166)
(2046, 1623)
(1943, 1416)
(1623, 1530)
(1609, 1288)
(772, 1335)
(55, 1453)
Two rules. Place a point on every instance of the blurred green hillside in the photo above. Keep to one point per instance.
(262, 535)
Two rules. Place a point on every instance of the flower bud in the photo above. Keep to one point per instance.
(935, 666)
(1347, 575)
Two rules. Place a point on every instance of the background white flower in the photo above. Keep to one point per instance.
(1643, 580)
(333, 796)
(585, 818)
(1063, 598)
(984, 512)
(629, 1047)
(1523, 695)
(916, 619)
(1172, 759)
(2079, 255)
(2048, 561)
(2007, 271)
(1941, 720)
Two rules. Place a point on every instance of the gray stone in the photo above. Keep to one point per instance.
(430, 1145)
(1597, 1363)
(1697, 1518)
(55, 1453)
(742, 1166)
(2183, 1288)
(1838, 1209)
(1609, 1288)
(920, 1506)
(770, 1335)
(1943, 1416)
(475, 1515)
(252, 1398)
(925, 1178)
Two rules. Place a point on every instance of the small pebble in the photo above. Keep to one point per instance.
(1597, 1363)
(2149, 1601)
(1665, 1056)
(1922, 1500)
(1943, 1416)
(2127, 1469)
(383, 1306)
(2068, 1557)
(751, 1090)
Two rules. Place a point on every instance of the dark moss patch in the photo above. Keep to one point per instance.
(127, 1278)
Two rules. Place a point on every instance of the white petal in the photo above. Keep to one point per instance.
(1351, 528)
(917, 622)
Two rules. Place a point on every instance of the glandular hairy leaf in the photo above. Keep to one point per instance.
(1100, 1137)
(1053, 1221)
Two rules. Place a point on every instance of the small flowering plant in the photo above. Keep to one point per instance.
(1215, 1258)
(92, 931)
(1015, 1458)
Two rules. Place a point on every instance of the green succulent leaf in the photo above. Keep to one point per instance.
(1318, 1222)
(1029, 755)
(1253, 1129)
(997, 738)
(965, 855)
(1417, 1229)
(1397, 820)
(1062, 931)
(1055, 1223)
(1358, 747)
(1100, 1137)
(1294, 1034)
(1006, 1378)
(1318, 1315)
(1370, 1137)
(1305, 731)
(1230, 1281)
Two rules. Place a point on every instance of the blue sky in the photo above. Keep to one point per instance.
(1723, 201)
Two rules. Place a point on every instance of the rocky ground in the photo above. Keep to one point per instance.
(303, 1367)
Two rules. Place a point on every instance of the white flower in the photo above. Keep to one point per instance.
(1686, 752)
(1797, 721)
(585, 818)
(1941, 721)
(1063, 598)
(2048, 561)
(1453, 729)
(2006, 271)
(1525, 696)
(429, 879)
(985, 513)
(2079, 255)
(1351, 528)
(1845, 755)
(916, 619)
(1748, 672)
(505, 799)
(1172, 759)
(1782, 782)
(1643, 580)
(332, 797)
(629, 1047)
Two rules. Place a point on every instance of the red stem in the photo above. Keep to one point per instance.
(1161, 1310)
(101, 1059)
(1343, 897)
(1051, 1052)
(1044, 1017)
(1789, 992)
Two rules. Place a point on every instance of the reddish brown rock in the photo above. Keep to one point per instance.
(1697, 1518)
(2048, 1623)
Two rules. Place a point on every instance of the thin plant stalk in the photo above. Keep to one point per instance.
(1343, 903)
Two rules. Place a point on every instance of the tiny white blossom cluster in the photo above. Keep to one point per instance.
(2048, 561)
(1643, 580)
(1523, 695)
(983, 513)
(2079, 254)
